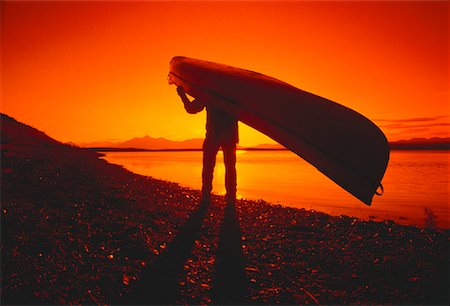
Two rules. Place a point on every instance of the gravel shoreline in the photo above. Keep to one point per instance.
(77, 230)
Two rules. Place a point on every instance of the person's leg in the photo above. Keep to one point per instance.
(229, 159)
(210, 149)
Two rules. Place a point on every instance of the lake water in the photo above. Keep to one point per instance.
(415, 182)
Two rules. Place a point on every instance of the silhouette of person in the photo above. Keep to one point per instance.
(221, 132)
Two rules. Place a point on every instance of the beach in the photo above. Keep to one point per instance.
(416, 182)
(78, 230)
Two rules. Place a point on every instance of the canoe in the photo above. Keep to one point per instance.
(341, 143)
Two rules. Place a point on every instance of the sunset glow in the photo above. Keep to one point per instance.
(84, 72)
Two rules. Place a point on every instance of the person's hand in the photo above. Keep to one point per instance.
(180, 91)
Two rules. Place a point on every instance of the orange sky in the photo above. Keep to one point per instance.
(84, 71)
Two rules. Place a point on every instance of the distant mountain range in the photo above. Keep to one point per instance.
(435, 143)
(160, 143)
(150, 143)
(14, 132)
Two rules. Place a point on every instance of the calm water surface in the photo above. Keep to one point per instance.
(414, 181)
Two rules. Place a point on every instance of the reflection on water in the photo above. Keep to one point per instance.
(414, 181)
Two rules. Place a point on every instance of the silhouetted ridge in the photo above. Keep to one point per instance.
(15, 132)
(159, 143)
(435, 143)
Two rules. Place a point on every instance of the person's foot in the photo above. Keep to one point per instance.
(206, 199)
(230, 199)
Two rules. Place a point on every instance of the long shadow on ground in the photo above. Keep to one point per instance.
(159, 284)
(229, 280)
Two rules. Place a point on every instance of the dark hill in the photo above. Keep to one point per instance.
(16, 133)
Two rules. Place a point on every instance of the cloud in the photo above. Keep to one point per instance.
(415, 127)
(408, 126)
(411, 120)
(414, 123)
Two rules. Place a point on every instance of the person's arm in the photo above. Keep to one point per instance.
(191, 107)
